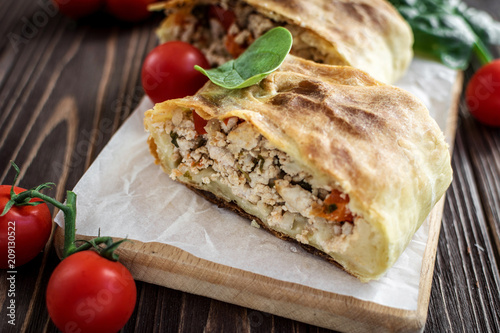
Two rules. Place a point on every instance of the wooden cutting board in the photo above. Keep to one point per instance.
(172, 267)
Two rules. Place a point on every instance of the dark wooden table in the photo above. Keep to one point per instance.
(66, 87)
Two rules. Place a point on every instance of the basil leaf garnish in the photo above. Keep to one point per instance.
(449, 30)
(261, 58)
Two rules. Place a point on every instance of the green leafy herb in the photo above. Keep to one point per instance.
(261, 58)
(449, 31)
(258, 162)
(247, 176)
(261, 162)
(174, 136)
(331, 208)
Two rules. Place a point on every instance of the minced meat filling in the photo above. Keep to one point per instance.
(255, 171)
(224, 36)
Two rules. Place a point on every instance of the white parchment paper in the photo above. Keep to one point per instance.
(124, 194)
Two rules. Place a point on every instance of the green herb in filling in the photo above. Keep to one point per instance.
(174, 136)
(244, 173)
(331, 208)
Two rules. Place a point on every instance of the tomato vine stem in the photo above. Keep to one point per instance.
(69, 210)
(482, 52)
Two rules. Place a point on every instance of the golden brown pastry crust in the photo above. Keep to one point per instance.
(367, 34)
(374, 141)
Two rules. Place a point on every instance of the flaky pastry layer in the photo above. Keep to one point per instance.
(338, 138)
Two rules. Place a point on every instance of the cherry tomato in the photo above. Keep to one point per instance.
(482, 94)
(129, 10)
(168, 71)
(24, 230)
(89, 293)
(78, 8)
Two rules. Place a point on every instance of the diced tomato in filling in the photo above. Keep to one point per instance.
(181, 16)
(226, 17)
(199, 123)
(334, 208)
(179, 19)
(234, 49)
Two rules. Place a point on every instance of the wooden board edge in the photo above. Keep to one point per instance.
(171, 267)
(428, 261)
(435, 219)
(451, 122)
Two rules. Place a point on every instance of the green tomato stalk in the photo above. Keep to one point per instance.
(69, 210)
(482, 52)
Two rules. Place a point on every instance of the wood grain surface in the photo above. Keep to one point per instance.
(67, 86)
(171, 267)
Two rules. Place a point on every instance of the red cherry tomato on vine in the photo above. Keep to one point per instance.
(24, 230)
(483, 94)
(168, 71)
(78, 8)
(89, 293)
(129, 10)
